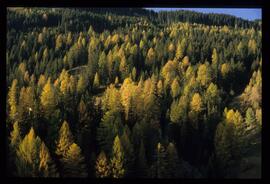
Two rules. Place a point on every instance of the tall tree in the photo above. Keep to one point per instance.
(15, 140)
(48, 98)
(118, 159)
(65, 140)
(74, 162)
(250, 117)
(175, 88)
(46, 164)
(204, 74)
(27, 162)
(109, 127)
(103, 169)
(15, 136)
(150, 59)
(196, 103)
(12, 99)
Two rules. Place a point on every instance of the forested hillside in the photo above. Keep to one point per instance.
(124, 93)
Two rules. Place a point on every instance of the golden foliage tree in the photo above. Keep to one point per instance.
(65, 140)
(196, 103)
(12, 99)
(175, 88)
(74, 162)
(46, 164)
(204, 74)
(48, 98)
(103, 169)
(117, 161)
(151, 56)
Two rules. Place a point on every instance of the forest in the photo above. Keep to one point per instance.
(132, 93)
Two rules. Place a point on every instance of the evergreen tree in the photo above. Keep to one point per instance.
(82, 84)
(212, 98)
(103, 169)
(204, 74)
(27, 162)
(12, 99)
(46, 165)
(179, 51)
(109, 127)
(175, 88)
(118, 159)
(96, 81)
(48, 98)
(196, 103)
(250, 117)
(15, 136)
(15, 140)
(215, 61)
(151, 56)
(65, 140)
(73, 162)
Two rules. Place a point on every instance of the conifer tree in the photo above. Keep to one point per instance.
(250, 117)
(27, 108)
(12, 99)
(118, 159)
(15, 140)
(109, 127)
(212, 99)
(196, 103)
(48, 98)
(151, 56)
(15, 136)
(65, 140)
(204, 74)
(185, 63)
(46, 164)
(27, 162)
(96, 81)
(175, 88)
(215, 62)
(103, 169)
(73, 162)
(214, 56)
(82, 84)
(58, 42)
(179, 51)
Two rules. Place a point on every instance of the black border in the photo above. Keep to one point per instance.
(137, 3)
